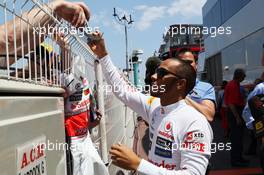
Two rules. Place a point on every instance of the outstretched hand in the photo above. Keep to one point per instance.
(97, 119)
(74, 12)
(124, 157)
(98, 45)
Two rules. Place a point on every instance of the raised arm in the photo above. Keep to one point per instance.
(73, 12)
(134, 99)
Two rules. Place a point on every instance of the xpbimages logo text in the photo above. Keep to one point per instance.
(51, 30)
(126, 87)
(185, 29)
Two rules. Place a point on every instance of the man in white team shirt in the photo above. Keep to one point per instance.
(180, 136)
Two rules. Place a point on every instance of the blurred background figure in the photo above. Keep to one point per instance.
(235, 102)
(253, 115)
(222, 108)
(152, 64)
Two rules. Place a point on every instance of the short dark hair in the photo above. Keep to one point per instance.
(239, 73)
(152, 64)
(187, 72)
(184, 50)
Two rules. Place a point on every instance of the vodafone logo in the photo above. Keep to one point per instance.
(168, 126)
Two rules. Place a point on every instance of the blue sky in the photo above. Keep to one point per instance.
(151, 18)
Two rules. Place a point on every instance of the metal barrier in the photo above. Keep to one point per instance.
(34, 53)
(33, 61)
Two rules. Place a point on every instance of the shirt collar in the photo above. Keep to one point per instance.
(167, 109)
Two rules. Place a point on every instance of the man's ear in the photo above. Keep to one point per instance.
(181, 84)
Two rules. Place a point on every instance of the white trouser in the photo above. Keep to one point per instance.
(86, 160)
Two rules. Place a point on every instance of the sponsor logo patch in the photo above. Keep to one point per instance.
(164, 143)
(162, 152)
(150, 100)
(195, 136)
(166, 134)
(193, 146)
(168, 126)
(162, 164)
(75, 98)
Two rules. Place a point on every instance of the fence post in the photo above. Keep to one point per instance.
(100, 98)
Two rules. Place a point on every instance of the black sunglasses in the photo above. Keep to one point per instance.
(161, 72)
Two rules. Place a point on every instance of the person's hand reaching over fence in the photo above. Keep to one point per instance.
(77, 13)
(97, 119)
(98, 45)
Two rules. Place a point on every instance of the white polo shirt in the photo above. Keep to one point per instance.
(180, 136)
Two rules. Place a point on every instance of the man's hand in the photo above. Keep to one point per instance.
(97, 120)
(124, 157)
(98, 46)
(74, 12)
(98, 117)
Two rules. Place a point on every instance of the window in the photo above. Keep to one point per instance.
(222, 11)
(213, 17)
(254, 48)
(229, 8)
(234, 55)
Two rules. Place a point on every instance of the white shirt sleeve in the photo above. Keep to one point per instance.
(129, 95)
(248, 118)
(147, 168)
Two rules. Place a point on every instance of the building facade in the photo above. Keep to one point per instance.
(243, 47)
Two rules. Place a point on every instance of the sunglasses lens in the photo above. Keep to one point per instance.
(161, 72)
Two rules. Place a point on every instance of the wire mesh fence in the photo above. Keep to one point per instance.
(36, 45)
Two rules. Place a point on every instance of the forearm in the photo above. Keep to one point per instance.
(19, 35)
(122, 90)
(148, 168)
(208, 112)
